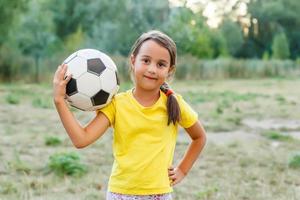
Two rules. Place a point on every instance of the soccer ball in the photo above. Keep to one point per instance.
(94, 79)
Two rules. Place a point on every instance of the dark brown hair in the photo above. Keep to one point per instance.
(165, 41)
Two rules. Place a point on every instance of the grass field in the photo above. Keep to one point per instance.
(252, 152)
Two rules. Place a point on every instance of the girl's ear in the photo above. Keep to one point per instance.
(132, 61)
(171, 71)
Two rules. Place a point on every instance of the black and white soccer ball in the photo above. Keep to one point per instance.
(94, 79)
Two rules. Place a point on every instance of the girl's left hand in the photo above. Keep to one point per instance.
(175, 175)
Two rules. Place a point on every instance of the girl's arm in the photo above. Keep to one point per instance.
(80, 136)
(197, 134)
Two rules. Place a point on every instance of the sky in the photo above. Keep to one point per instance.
(214, 10)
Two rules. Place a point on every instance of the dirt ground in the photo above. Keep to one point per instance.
(253, 131)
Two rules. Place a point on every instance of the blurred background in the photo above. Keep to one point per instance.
(215, 39)
(238, 67)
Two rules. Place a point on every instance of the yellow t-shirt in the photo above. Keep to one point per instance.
(143, 143)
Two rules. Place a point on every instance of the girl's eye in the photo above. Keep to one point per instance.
(161, 64)
(146, 61)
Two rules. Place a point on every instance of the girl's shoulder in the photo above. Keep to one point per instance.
(181, 100)
(179, 97)
(122, 95)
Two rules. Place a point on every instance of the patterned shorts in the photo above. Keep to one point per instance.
(117, 196)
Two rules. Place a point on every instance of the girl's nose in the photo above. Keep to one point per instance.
(152, 68)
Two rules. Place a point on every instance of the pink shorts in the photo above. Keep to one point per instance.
(117, 196)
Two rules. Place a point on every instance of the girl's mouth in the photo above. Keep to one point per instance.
(150, 77)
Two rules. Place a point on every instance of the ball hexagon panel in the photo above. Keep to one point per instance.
(95, 66)
(108, 80)
(77, 66)
(88, 84)
(100, 98)
(108, 62)
(71, 87)
(80, 101)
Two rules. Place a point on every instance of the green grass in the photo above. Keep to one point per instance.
(13, 99)
(274, 135)
(66, 164)
(227, 97)
(207, 193)
(232, 166)
(7, 187)
(19, 165)
(294, 161)
(52, 141)
(42, 102)
(280, 99)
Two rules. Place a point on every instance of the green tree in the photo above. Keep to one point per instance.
(280, 47)
(190, 32)
(123, 21)
(9, 13)
(219, 44)
(68, 15)
(268, 18)
(233, 35)
(36, 34)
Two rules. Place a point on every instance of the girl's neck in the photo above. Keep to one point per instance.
(146, 98)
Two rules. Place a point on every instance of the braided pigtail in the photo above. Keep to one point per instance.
(173, 108)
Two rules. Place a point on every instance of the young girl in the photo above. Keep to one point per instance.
(145, 121)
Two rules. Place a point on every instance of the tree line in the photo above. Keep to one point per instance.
(40, 32)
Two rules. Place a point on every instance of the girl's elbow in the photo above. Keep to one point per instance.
(79, 145)
(203, 137)
(80, 141)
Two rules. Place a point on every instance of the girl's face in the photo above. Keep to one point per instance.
(151, 66)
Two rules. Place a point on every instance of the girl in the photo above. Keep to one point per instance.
(145, 121)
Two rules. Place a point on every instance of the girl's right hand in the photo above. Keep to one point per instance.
(60, 82)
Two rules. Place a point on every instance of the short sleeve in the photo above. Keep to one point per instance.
(109, 111)
(188, 116)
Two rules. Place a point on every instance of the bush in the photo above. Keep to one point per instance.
(189, 67)
(40, 102)
(12, 99)
(274, 135)
(66, 164)
(280, 47)
(52, 141)
(294, 161)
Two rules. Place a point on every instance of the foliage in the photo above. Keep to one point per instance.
(52, 141)
(66, 164)
(294, 161)
(189, 67)
(8, 188)
(41, 102)
(12, 99)
(35, 36)
(19, 165)
(268, 18)
(280, 47)
(9, 14)
(274, 135)
(194, 37)
(234, 37)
